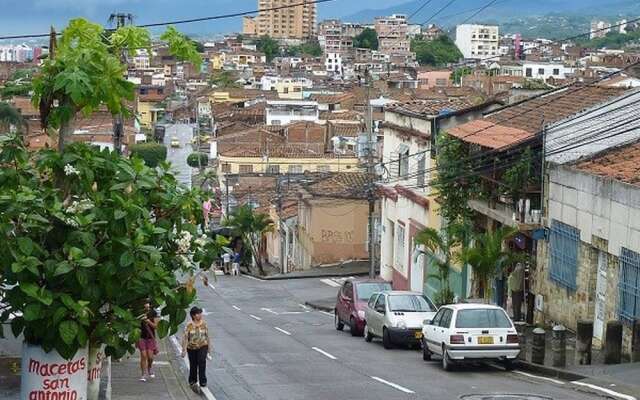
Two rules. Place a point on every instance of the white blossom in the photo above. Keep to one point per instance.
(70, 170)
(80, 206)
(184, 242)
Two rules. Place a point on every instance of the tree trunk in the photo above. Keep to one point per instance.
(66, 128)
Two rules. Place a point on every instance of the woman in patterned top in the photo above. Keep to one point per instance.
(196, 343)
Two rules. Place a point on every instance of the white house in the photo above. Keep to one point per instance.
(544, 70)
(333, 63)
(478, 41)
(284, 112)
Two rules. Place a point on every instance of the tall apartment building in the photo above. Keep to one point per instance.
(599, 29)
(393, 35)
(285, 23)
(337, 37)
(478, 41)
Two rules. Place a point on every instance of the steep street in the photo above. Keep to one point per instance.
(268, 345)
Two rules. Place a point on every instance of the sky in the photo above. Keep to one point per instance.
(35, 16)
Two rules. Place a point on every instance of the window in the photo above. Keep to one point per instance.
(295, 169)
(403, 160)
(540, 71)
(441, 82)
(528, 73)
(436, 320)
(482, 318)
(366, 290)
(226, 168)
(372, 300)
(347, 290)
(629, 285)
(445, 321)
(422, 165)
(381, 303)
(563, 256)
(400, 246)
(246, 169)
(273, 169)
(410, 303)
(556, 71)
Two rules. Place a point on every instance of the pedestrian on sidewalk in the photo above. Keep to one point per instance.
(516, 287)
(147, 343)
(196, 344)
(235, 267)
(226, 263)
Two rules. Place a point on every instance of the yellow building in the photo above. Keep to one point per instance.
(286, 22)
(246, 161)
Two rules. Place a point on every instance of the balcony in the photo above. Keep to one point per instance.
(503, 212)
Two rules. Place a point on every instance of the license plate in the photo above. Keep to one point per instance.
(485, 340)
(418, 335)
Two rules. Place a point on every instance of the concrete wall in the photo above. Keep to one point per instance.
(607, 214)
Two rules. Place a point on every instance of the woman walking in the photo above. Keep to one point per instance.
(147, 343)
(196, 343)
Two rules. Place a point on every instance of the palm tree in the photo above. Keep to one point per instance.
(488, 258)
(250, 226)
(10, 116)
(442, 245)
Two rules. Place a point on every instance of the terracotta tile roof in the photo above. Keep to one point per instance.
(403, 130)
(305, 132)
(332, 98)
(621, 163)
(342, 115)
(350, 129)
(280, 151)
(351, 185)
(431, 107)
(524, 120)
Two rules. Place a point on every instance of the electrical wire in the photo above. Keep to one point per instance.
(439, 11)
(489, 4)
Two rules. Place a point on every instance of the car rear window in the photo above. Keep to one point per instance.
(482, 318)
(365, 290)
(410, 303)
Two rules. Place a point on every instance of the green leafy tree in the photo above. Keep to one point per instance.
(87, 72)
(9, 116)
(153, 154)
(438, 52)
(250, 226)
(367, 39)
(269, 46)
(489, 257)
(310, 48)
(519, 177)
(443, 246)
(458, 73)
(87, 235)
(198, 160)
(224, 79)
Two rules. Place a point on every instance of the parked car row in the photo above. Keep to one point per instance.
(455, 333)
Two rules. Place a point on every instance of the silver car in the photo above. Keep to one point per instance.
(397, 317)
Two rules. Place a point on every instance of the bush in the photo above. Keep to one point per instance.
(152, 153)
(197, 159)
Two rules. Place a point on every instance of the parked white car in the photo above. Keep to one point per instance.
(467, 332)
(397, 317)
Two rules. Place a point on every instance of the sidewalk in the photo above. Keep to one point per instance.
(355, 268)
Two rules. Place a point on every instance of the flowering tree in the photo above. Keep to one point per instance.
(85, 237)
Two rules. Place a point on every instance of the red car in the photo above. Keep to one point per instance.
(352, 300)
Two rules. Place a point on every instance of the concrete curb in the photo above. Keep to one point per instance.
(550, 371)
(280, 277)
(319, 307)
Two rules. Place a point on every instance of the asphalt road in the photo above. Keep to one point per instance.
(177, 156)
(267, 345)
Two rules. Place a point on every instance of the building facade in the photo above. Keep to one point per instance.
(478, 41)
(285, 23)
(393, 34)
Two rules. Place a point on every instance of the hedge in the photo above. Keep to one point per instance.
(152, 153)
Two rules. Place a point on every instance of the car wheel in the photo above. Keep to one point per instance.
(426, 353)
(368, 337)
(386, 339)
(446, 361)
(508, 365)
(353, 328)
(338, 323)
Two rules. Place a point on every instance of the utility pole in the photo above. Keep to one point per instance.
(118, 121)
(371, 178)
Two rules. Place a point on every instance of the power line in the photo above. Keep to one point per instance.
(489, 4)
(192, 20)
(439, 11)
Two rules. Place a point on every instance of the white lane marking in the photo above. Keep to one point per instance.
(205, 312)
(324, 353)
(330, 282)
(252, 278)
(294, 312)
(605, 390)
(303, 306)
(393, 385)
(212, 287)
(255, 317)
(207, 393)
(236, 308)
(282, 330)
(269, 311)
(539, 377)
(326, 313)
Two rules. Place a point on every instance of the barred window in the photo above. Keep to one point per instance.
(563, 257)
(629, 285)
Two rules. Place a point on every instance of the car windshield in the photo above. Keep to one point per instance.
(482, 318)
(410, 303)
(365, 290)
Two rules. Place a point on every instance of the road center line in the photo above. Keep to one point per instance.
(539, 377)
(324, 353)
(255, 317)
(207, 393)
(282, 330)
(605, 390)
(236, 308)
(212, 287)
(269, 311)
(393, 385)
